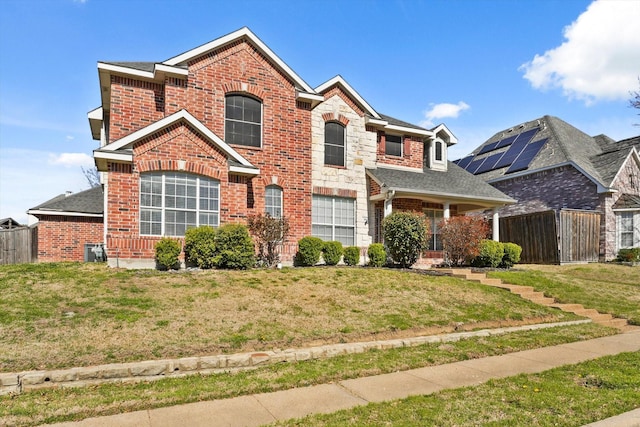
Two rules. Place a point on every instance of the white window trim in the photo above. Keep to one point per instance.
(240, 121)
(163, 208)
(281, 200)
(333, 217)
(636, 229)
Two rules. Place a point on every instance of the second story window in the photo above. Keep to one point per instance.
(273, 201)
(393, 145)
(334, 144)
(243, 121)
(439, 151)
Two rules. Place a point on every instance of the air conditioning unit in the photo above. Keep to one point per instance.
(94, 252)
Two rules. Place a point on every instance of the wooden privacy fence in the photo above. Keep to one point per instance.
(18, 245)
(547, 238)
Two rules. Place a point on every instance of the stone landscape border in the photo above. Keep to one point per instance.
(16, 383)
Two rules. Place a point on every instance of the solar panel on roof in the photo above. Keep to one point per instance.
(489, 163)
(464, 162)
(526, 157)
(474, 165)
(488, 147)
(511, 154)
(507, 141)
(528, 135)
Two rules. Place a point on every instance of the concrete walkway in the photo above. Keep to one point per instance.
(266, 408)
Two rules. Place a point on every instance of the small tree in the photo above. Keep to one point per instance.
(461, 237)
(270, 233)
(406, 235)
(634, 102)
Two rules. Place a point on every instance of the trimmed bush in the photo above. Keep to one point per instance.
(269, 233)
(377, 255)
(352, 255)
(167, 253)
(200, 246)
(309, 249)
(511, 256)
(332, 252)
(491, 254)
(629, 255)
(406, 236)
(461, 237)
(234, 247)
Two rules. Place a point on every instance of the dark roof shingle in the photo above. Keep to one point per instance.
(86, 202)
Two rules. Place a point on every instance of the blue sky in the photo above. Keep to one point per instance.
(479, 66)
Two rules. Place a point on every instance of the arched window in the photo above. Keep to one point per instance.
(171, 203)
(334, 144)
(273, 201)
(243, 121)
(439, 151)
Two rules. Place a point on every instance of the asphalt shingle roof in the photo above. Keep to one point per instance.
(600, 157)
(88, 201)
(454, 182)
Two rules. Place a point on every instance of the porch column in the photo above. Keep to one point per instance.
(496, 225)
(388, 203)
(446, 213)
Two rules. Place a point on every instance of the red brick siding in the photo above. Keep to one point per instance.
(62, 238)
(286, 141)
(412, 152)
(134, 105)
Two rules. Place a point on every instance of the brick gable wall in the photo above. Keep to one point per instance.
(284, 158)
(62, 238)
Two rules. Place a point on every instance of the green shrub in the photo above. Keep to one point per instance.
(332, 252)
(167, 253)
(406, 235)
(511, 256)
(234, 247)
(200, 246)
(377, 255)
(491, 254)
(309, 249)
(352, 255)
(629, 255)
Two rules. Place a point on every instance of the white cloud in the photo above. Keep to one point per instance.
(600, 59)
(29, 177)
(442, 111)
(70, 159)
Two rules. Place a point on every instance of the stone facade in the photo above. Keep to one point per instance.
(360, 154)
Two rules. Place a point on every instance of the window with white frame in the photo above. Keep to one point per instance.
(334, 218)
(434, 217)
(273, 201)
(171, 203)
(438, 155)
(393, 145)
(626, 230)
(243, 121)
(334, 144)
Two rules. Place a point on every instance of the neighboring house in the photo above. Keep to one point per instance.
(68, 224)
(591, 184)
(9, 224)
(228, 130)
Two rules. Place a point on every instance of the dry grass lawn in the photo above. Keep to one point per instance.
(63, 315)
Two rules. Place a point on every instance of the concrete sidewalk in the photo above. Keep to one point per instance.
(266, 408)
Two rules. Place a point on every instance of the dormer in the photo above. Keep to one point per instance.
(437, 147)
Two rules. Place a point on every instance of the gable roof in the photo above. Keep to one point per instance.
(455, 183)
(627, 202)
(599, 158)
(85, 203)
(9, 223)
(121, 150)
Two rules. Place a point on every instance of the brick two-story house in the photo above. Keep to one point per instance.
(228, 129)
(591, 184)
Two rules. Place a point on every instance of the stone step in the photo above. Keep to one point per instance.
(615, 323)
(476, 277)
(492, 282)
(542, 300)
(568, 307)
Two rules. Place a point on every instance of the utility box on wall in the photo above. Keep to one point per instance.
(94, 252)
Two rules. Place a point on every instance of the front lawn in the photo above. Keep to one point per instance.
(608, 288)
(71, 314)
